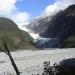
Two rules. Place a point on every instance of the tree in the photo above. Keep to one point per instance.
(7, 51)
(50, 70)
(47, 69)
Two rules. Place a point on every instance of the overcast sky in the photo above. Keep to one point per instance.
(21, 11)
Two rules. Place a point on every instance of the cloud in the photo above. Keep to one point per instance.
(8, 9)
(21, 18)
(58, 5)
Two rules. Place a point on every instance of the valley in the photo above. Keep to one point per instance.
(31, 61)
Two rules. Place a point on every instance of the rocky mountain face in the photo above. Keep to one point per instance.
(63, 27)
(39, 25)
(60, 29)
(13, 36)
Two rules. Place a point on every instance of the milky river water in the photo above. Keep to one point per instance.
(31, 61)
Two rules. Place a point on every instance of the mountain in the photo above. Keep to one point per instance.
(37, 25)
(62, 26)
(13, 36)
(59, 28)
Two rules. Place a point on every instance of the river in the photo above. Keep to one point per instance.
(31, 61)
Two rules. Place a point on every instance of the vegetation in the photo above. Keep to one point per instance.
(69, 42)
(15, 38)
(7, 51)
(58, 69)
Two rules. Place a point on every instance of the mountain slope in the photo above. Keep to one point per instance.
(59, 28)
(63, 27)
(38, 25)
(13, 36)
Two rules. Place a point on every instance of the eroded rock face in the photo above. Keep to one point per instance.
(39, 25)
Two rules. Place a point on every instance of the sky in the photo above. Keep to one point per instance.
(35, 7)
(22, 11)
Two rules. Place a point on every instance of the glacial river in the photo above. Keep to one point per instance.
(31, 61)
